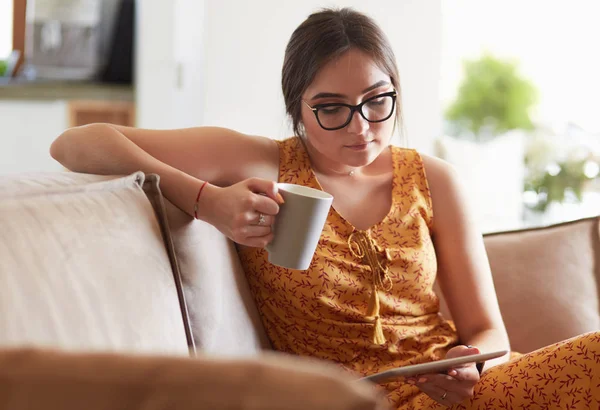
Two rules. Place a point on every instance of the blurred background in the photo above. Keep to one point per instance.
(507, 91)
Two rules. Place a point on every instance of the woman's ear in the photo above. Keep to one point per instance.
(301, 130)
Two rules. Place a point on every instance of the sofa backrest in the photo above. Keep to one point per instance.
(222, 311)
(547, 281)
(83, 266)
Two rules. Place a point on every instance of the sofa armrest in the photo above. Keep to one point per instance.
(52, 380)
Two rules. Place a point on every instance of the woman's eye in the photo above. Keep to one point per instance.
(377, 101)
(330, 110)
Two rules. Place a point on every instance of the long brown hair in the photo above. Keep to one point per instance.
(322, 37)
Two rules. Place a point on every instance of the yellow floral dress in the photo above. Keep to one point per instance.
(367, 301)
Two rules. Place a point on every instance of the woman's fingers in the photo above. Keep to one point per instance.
(258, 241)
(466, 373)
(259, 219)
(255, 231)
(443, 388)
(264, 205)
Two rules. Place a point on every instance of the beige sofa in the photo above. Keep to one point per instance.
(106, 289)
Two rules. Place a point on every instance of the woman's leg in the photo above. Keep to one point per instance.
(564, 375)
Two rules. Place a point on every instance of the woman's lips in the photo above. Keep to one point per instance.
(359, 147)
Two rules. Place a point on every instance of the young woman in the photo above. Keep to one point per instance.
(399, 220)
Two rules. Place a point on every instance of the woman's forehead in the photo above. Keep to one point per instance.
(350, 74)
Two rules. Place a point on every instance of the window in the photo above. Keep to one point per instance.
(529, 177)
(6, 27)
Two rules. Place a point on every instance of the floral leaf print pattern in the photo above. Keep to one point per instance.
(329, 311)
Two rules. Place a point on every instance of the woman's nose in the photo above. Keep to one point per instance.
(358, 125)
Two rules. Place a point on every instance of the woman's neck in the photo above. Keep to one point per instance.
(324, 166)
(332, 169)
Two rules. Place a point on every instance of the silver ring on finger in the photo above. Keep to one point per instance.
(444, 395)
(261, 219)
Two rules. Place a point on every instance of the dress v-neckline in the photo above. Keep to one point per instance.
(316, 184)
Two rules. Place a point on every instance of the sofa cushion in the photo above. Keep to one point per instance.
(36, 379)
(547, 281)
(222, 311)
(83, 266)
(37, 182)
(154, 195)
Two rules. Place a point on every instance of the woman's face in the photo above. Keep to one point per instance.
(352, 78)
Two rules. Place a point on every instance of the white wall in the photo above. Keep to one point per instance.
(154, 62)
(28, 129)
(168, 68)
(229, 71)
(245, 44)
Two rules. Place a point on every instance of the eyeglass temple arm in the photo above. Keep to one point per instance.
(313, 109)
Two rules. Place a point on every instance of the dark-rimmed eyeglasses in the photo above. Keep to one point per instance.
(335, 116)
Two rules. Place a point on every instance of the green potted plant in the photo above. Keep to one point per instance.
(485, 128)
(492, 100)
(558, 173)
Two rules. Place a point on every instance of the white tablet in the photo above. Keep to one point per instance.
(437, 366)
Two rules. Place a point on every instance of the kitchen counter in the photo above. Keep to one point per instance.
(53, 90)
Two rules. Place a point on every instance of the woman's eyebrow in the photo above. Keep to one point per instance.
(336, 95)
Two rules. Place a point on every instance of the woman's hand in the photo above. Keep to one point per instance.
(454, 386)
(243, 212)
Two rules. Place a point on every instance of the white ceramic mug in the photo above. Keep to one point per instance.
(298, 226)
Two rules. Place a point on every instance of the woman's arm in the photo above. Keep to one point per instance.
(184, 159)
(463, 268)
(219, 155)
